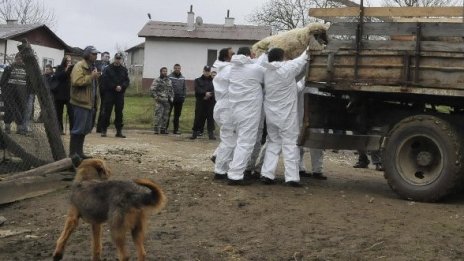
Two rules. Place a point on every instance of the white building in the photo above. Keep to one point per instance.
(48, 47)
(192, 45)
(135, 57)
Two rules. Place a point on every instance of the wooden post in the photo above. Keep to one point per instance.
(46, 103)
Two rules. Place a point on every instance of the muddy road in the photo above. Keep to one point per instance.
(351, 216)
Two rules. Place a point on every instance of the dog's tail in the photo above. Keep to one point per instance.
(156, 198)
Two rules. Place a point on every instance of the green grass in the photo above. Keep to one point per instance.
(139, 110)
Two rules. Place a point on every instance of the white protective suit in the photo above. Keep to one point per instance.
(222, 116)
(281, 108)
(255, 162)
(316, 154)
(246, 99)
(300, 110)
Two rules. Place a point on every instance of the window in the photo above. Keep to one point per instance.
(46, 61)
(212, 56)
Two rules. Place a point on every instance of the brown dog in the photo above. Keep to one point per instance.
(123, 204)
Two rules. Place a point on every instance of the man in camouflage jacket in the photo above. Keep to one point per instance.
(161, 90)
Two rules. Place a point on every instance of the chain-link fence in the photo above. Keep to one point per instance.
(29, 131)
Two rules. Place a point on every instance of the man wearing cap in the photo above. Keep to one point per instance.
(84, 94)
(204, 104)
(115, 81)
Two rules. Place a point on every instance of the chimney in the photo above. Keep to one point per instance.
(11, 21)
(191, 19)
(229, 20)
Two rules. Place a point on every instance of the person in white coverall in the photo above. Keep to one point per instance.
(246, 98)
(281, 108)
(317, 155)
(222, 114)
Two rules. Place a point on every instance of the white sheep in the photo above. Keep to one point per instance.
(295, 41)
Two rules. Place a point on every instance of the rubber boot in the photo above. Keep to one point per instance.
(80, 148)
(73, 144)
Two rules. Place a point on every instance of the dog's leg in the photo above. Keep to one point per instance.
(71, 223)
(138, 235)
(119, 239)
(96, 242)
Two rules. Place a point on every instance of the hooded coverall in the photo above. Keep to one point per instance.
(246, 98)
(281, 108)
(222, 116)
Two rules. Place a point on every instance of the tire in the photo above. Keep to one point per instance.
(423, 158)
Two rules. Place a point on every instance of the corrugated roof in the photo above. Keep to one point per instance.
(11, 30)
(205, 31)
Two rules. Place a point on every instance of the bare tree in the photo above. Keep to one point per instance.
(425, 3)
(26, 12)
(284, 15)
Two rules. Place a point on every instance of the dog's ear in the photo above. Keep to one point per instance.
(103, 170)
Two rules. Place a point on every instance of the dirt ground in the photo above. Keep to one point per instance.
(352, 216)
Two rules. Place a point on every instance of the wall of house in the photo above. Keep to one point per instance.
(50, 54)
(192, 55)
(135, 57)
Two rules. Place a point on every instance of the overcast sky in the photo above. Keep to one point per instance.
(107, 23)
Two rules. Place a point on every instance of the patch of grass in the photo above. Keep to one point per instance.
(139, 113)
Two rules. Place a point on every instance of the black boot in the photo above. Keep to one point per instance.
(211, 135)
(80, 148)
(194, 135)
(119, 133)
(73, 144)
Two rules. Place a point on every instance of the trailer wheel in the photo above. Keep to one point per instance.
(422, 158)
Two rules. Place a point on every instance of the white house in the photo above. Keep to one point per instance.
(134, 60)
(48, 47)
(192, 45)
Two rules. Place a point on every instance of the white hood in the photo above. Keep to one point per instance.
(241, 59)
(272, 65)
(220, 64)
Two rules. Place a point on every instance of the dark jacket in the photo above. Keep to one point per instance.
(15, 75)
(178, 85)
(114, 76)
(203, 85)
(48, 80)
(63, 87)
